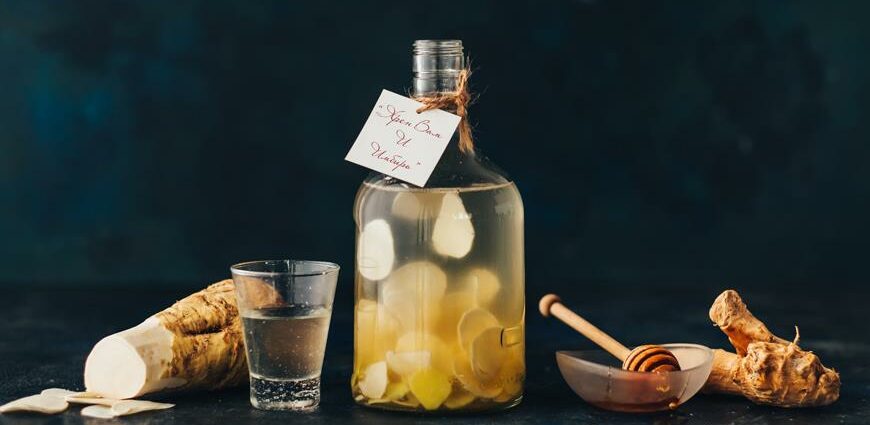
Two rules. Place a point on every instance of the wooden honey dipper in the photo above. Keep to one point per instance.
(645, 358)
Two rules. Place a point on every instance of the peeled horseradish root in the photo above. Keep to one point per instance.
(194, 344)
(766, 369)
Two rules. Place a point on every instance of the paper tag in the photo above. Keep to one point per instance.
(399, 142)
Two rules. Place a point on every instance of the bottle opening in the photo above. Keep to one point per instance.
(438, 47)
(438, 56)
(437, 64)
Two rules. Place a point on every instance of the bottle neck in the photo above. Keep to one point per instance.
(437, 67)
(437, 64)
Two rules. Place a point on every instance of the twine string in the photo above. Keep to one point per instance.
(458, 100)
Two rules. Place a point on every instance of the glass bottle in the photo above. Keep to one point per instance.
(440, 301)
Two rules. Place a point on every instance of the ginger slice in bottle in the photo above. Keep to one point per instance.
(487, 354)
(375, 251)
(373, 384)
(408, 401)
(453, 233)
(396, 391)
(453, 307)
(484, 284)
(459, 398)
(483, 389)
(513, 372)
(407, 362)
(472, 323)
(431, 387)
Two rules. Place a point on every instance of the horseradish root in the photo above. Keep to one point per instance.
(766, 369)
(194, 344)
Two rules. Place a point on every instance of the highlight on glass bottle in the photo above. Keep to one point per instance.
(439, 312)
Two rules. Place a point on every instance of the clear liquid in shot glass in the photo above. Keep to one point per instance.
(285, 350)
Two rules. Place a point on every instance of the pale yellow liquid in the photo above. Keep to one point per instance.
(434, 281)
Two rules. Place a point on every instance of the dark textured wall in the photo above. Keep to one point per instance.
(146, 142)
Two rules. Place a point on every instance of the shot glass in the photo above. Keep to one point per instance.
(285, 306)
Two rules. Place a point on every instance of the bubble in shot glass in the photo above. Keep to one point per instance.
(285, 306)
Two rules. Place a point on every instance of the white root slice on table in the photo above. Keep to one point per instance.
(79, 397)
(453, 233)
(58, 392)
(375, 253)
(123, 408)
(129, 407)
(194, 344)
(99, 412)
(39, 403)
(97, 400)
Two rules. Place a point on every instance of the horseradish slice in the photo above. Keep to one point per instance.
(453, 233)
(416, 205)
(472, 324)
(58, 392)
(439, 352)
(374, 383)
(79, 397)
(406, 363)
(40, 403)
(129, 407)
(375, 254)
(93, 400)
(99, 412)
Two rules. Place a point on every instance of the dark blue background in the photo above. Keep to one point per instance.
(678, 143)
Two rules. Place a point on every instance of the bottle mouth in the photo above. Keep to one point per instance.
(435, 47)
(433, 57)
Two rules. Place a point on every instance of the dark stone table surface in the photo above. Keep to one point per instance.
(45, 335)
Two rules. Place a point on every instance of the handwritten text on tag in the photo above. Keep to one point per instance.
(399, 142)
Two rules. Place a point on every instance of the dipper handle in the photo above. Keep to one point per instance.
(551, 304)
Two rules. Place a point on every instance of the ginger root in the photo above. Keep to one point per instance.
(766, 369)
(194, 344)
